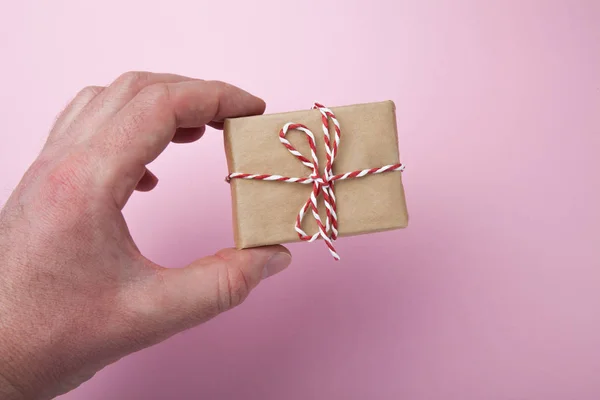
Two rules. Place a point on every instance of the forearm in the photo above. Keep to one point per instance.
(9, 356)
(19, 380)
(12, 377)
(8, 391)
(20, 370)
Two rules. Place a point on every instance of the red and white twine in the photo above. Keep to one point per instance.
(321, 183)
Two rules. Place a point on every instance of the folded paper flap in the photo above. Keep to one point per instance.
(265, 212)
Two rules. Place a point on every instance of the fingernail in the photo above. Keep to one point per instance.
(276, 264)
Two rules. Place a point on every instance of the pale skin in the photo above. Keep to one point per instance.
(76, 294)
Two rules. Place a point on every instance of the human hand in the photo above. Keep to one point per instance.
(75, 292)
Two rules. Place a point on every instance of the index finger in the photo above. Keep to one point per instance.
(146, 125)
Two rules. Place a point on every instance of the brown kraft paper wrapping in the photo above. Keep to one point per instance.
(264, 212)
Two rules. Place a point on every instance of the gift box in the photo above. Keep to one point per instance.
(343, 163)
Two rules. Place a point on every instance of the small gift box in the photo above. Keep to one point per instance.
(315, 174)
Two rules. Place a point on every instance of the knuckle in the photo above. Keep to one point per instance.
(132, 80)
(83, 97)
(234, 287)
(157, 93)
(89, 92)
(220, 87)
(220, 84)
(238, 287)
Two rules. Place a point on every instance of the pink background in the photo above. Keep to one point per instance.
(493, 292)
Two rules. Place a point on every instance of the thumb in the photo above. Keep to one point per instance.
(185, 297)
